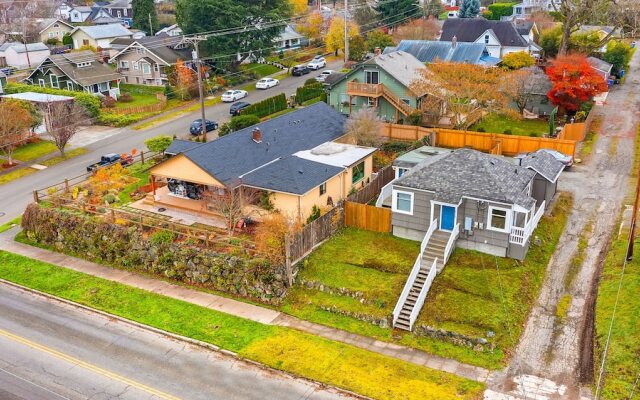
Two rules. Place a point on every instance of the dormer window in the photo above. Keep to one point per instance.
(140, 50)
(83, 64)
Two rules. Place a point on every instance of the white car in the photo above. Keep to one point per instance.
(317, 63)
(324, 74)
(266, 83)
(233, 95)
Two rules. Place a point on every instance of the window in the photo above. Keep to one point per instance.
(371, 102)
(85, 42)
(518, 10)
(119, 14)
(371, 77)
(486, 39)
(50, 35)
(146, 68)
(124, 64)
(401, 171)
(54, 81)
(69, 85)
(323, 188)
(498, 219)
(156, 67)
(135, 65)
(103, 87)
(406, 101)
(402, 202)
(357, 173)
(41, 82)
(140, 50)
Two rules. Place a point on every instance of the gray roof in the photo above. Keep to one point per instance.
(605, 28)
(600, 64)
(105, 31)
(470, 29)
(428, 51)
(20, 48)
(47, 22)
(230, 157)
(544, 164)
(289, 33)
(291, 175)
(161, 46)
(97, 72)
(470, 173)
(180, 146)
(404, 67)
(524, 26)
(333, 78)
(83, 9)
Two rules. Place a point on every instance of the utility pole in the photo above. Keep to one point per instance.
(150, 26)
(195, 40)
(346, 31)
(632, 231)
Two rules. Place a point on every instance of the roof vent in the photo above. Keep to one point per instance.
(256, 135)
(300, 171)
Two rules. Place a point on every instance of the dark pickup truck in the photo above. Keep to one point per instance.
(110, 159)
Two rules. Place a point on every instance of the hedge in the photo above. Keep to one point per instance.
(90, 102)
(309, 92)
(498, 10)
(267, 106)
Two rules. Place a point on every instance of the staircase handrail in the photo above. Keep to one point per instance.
(407, 109)
(450, 243)
(387, 190)
(414, 271)
(423, 293)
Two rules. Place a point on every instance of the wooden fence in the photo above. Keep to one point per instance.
(363, 216)
(300, 244)
(494, 143)
(372, 190)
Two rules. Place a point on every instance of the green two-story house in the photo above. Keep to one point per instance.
(383, 82)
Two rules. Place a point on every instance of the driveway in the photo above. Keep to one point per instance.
(15, 196)
(554, 357)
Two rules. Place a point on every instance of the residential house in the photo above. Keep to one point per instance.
(79, 14)
(41, 101)
(537, 86)
(98, 36)
(428, 51)
(293, 159)
(53, 28)
(145, 61)
(20, 56)
(548, 170)
(602, 67)
(173, 30)
(603, 32)
(525, 9)
(122, 10)
(500, 37)
(288, 39)
(63, 10)
(101, 16)
(79, 71)
(383, 83)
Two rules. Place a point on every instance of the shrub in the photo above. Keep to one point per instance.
(107, 102)
(159, 143)
(315, 214)
(109, 198)
(237, 123)
(533, 134)
(270, 237)
(517, 60)
(67, 40)
(415, 119)
(52, 41)
(310, 81)
(125, 98)
(118, 120)
(497, 10)
(309, 92)
(162, 237)
(507, 132)
(481, 129)
(267, 106)
(265, 201)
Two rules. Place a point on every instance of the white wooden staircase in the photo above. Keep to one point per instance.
(435, 249)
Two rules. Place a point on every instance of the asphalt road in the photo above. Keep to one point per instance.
(50, 350)
(15, 195)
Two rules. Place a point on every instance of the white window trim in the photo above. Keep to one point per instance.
(69, 85)
(398, 169)
(394, 202)
(371, 71)
(57, 85)
(41, 82)
(124, 64)
(507, 217)
(136, 66)
(148, 72)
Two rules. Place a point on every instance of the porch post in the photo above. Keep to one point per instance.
(431, 218)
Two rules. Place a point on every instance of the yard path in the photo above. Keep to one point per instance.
(555, 355)
(241, 309)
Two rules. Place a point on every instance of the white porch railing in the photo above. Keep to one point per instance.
(414, 271)
(451, 242)
(387, 190)
(423, 293)
(521, 235)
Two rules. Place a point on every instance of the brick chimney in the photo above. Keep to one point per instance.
(377, 51)
(454, 42)
(257, 135)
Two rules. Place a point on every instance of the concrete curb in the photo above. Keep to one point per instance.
(195, 342)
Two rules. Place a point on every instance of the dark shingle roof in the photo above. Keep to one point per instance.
(180, 146)
(524, 26)
(543, 163)
(470, 173)
(160, 46)
(291, 175)
(599, 64)
(229, 157)
(90, 75)
(470, 29)
(428, 51)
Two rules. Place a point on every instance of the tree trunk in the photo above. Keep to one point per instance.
(564, 42)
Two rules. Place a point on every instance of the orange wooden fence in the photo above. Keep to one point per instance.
(366, 217)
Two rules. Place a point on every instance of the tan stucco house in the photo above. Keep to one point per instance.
(52, 28)
(99, 36)
(294, 159)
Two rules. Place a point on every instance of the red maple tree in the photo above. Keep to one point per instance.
(574, 81)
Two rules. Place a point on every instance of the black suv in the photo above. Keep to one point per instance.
(237, 107)
(196, 126)
(300, 70)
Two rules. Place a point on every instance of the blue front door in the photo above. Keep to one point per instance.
(447, 218)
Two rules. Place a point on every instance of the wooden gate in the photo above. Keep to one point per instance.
(366, 217)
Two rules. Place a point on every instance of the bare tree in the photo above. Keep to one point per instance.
(418, 29)
(364, 127)
(230, 204)
(14, 129)
(64, 120)
(523, 85)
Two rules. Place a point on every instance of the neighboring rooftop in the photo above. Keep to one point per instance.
(428, 51)
(20, 47)
(543, 163)
(37, 97)
(524, 26)
(105, 31)
(336, 154)
(404, 67)
(599, 64)
(180, 146)
(470, 29)
(289, 33)
(88, 75)
(415, 157)
(470, 173)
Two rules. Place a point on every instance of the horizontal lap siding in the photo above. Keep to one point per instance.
(469, 209)
(421, 212)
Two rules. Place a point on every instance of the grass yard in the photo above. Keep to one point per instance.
(465, 298)
(31, 151)
(8, 225)
(496, 123)
(67, 155)
(16, 174)
(139, 171)
(261, 70)
(289, 350)
(142, 95)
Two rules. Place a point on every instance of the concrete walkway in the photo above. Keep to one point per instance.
(244, 310)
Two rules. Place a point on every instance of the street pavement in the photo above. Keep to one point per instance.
(15, 196)
(51, 350)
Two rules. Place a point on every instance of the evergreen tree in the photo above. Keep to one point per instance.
(142, 9)
(469, 9)
(392, 13)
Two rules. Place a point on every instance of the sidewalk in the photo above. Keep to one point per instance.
(244, 310)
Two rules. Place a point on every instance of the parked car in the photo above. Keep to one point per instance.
(300, 70)
(317, 63)
(324, 74)
(233, 95)
(110, 159)
(236, 108)
(196, 126)
(266, 83)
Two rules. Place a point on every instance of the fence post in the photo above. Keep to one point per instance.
(36, 199)
(66, 185)
(287, 259)
(142, 156)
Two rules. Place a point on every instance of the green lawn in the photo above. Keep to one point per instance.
(8, 225)
(142, 95)
(141, 173)
(16, 174)
(31, 151)
(465, 298)
(289, 350)
(67, 155)
(261, 70)
(495, 123)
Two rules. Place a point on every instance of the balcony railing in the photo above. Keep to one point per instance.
(521, 235)
(364, 89)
